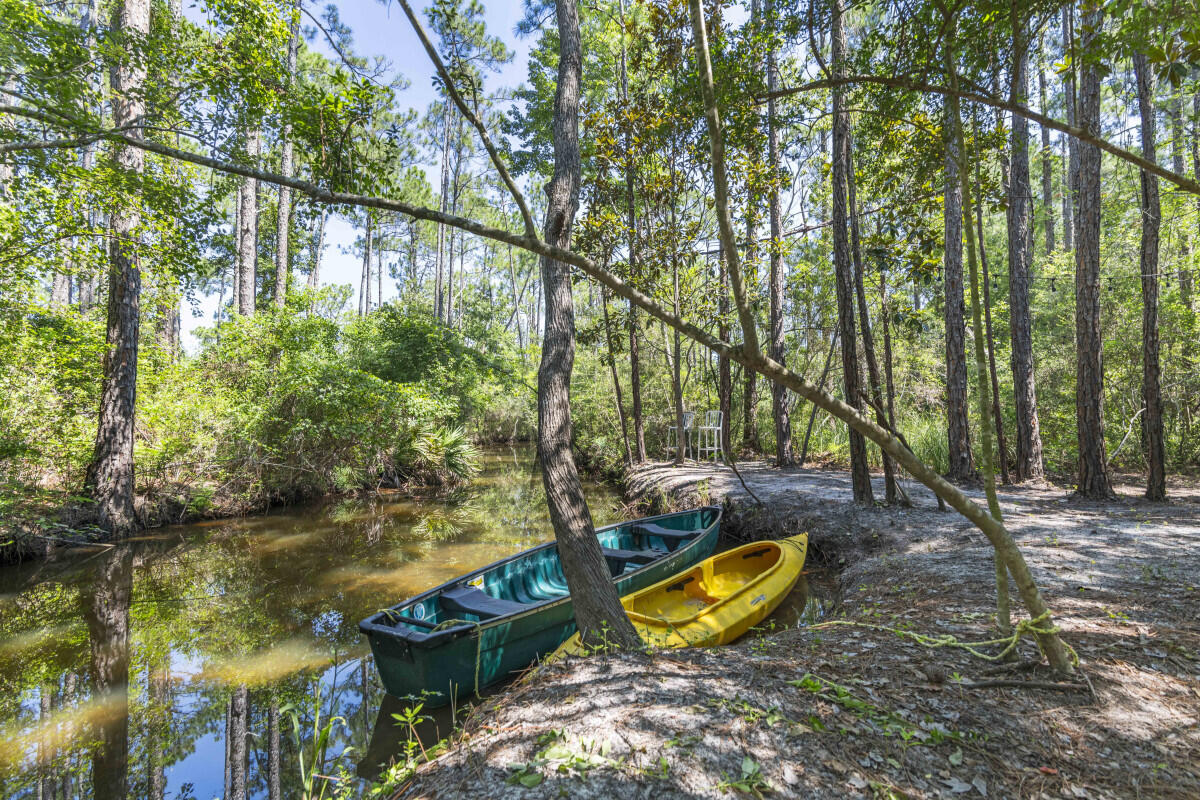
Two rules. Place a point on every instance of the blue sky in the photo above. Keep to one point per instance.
(381, 29)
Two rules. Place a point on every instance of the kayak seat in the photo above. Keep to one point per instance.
(469, 600)
(671, 538)
(618, 560)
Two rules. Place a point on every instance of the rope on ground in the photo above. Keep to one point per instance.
(1023, 627)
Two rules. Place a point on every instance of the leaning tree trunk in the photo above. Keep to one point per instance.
(284, 217)
(958, 429)
(1093, 479)
(247, 256)
(110, 474)
(860, 474)
(779, 410)
(1152, 421)
(598, 610)
(1029, 437)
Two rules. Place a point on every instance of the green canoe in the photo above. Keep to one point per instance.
(480, 628)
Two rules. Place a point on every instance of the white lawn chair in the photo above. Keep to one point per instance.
(708, 436)
(689, 419)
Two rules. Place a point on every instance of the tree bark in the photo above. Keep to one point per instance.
(724, 373)
(248, 231)
(318, 247)
(860, 474)
(107, 613)
(1029, 437)
(598, 611)
(635, 377)
(1152, 421)
(1071, 160)
(1093, 481)
(110, 474)
(1047, 166)
(284, 217)
(958, 428)
(779, 410)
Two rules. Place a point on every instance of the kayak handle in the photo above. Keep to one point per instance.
(678, 587)
(757, 553)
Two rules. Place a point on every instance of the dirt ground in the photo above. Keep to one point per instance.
(843, 709)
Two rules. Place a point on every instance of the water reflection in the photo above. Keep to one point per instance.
(200, 661)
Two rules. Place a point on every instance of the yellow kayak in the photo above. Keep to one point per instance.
(715, 601)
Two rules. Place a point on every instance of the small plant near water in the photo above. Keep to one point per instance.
(751, 781)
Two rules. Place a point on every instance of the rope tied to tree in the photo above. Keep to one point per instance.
(1034, 627)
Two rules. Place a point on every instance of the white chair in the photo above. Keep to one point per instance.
(689, 419)
(708, 436)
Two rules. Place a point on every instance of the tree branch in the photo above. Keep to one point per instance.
(1183, 182)
(471, 117)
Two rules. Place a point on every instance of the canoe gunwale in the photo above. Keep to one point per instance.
(438, 636)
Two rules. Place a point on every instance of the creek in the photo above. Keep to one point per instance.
(131, 665)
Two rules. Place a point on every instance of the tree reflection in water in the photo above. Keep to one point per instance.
(158, 668)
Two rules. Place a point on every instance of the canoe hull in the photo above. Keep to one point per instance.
(480, 654)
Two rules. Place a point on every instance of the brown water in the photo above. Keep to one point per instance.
(124, 666)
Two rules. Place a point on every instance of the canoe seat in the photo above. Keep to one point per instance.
(469, 600)
(619, 559)
(672, 538)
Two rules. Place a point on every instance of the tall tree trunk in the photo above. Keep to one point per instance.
(1003, 620)
(860, 474)
(1047, 151)
(724, 373)
(779, 410)
(1001, 446)
(110, 474)
(893, 492)
(284, 217)
(248, 231)
(379, 272)
(236, 732)
(681, 439)
(749, 379)
(438, 301)
(612, 363)
(1152, 421)
(1071, 156)
(107, 613)
(364, 288)
(318, 248)
(958, 428)
(1093, 479)
(1177, 140)
(635, 377)
(158, 684)
(598, 610)
(1029, 436)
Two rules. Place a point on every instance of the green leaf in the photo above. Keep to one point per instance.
(956, 758)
